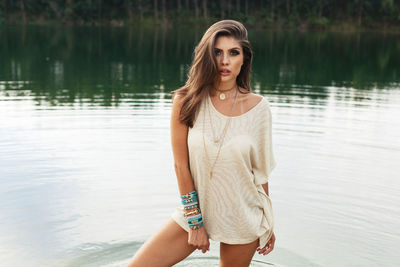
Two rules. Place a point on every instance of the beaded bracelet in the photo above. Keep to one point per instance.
(195, 221)
(194, 218)
(191, 207)
(190, 200)
(197, 226)
(189, 195)
(193, 212)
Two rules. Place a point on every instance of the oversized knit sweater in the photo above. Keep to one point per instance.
(234, 205)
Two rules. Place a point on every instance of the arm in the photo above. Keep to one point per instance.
(179, 132)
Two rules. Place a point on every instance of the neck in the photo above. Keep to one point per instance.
(225, 85)
(226, 91)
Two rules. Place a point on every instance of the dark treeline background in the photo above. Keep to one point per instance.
(274, 13)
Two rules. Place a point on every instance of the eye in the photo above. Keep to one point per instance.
(235, 52)
(217, 52)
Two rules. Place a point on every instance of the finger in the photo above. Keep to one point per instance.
(268, 250)
(262, 250)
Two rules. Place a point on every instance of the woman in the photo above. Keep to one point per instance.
(222, 148)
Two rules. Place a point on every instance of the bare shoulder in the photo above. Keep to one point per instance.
(177, 99)
(177, 103)
(253, 99)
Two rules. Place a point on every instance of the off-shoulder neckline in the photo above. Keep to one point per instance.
(238, 116)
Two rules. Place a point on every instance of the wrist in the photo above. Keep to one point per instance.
(192, 210)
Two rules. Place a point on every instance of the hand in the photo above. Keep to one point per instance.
(199, 239)
(268, 247)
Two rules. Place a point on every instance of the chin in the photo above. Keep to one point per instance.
(227, 79)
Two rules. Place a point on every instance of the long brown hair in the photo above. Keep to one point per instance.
(203, 72)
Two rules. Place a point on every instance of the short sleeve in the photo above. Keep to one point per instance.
(262, 158)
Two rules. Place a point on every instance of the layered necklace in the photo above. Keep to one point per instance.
(222, 95)
(221, 139)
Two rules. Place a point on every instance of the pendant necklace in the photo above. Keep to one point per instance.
(222, 95)
(211, 167)
(215, 139)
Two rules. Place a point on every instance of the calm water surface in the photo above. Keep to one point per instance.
(86, 168)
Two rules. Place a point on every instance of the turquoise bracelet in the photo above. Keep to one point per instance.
(194, 218)
(197, 226)
(191, 207)
(190, 198)
(189, 195)
(195, 221)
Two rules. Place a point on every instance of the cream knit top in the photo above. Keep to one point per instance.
(233, 203)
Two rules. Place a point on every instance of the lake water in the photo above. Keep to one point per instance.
(84, 142)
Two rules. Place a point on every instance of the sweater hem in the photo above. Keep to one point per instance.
(176, 216)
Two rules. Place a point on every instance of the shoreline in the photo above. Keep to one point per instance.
(282, 25)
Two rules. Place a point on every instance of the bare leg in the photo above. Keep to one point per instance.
(237, 255)
(165, 248)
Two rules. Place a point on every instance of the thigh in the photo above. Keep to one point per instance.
(237, 255)
(165, 248)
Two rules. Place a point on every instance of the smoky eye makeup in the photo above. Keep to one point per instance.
(233, 52)
(217, 51)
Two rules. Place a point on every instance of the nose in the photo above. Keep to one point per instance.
(225, 59)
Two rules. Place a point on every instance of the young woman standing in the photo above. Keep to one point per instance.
(222, 147)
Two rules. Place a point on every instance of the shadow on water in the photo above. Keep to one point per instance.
(119, 254)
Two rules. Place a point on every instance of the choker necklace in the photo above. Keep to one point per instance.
(222, 95)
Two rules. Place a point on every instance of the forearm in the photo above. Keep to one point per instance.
(184, 178)
(189, 197)
(265, 186)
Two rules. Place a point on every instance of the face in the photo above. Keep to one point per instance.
(229, 55)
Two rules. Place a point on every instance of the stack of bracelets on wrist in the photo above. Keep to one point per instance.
(190, 201)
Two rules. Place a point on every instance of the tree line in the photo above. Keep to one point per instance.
(283, 12)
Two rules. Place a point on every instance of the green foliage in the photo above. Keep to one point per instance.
(291, 13)
(388, 6)
(319, 21)
(250, 19)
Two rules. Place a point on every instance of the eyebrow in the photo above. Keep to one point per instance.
(229, 49)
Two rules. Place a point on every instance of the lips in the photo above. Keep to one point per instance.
(224, 72)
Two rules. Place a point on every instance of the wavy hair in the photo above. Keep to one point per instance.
(203, 73)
